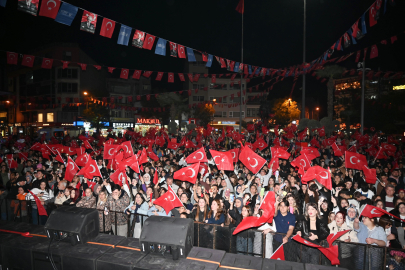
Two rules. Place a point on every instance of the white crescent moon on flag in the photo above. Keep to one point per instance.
(126, 146)
(173, 195)
(254, 166)
(323, 177)
(122, 178)
(73, 166)
(372, 211)
(47, 62)
(28, 59)
(124, 72)
(86, 158)
(94, 169)
(109, 151)
(51, 1)
(233, 155)
(11, 56)
(261, 144)
(305, 163)
(202, 155)
(214, 159)
(150, 39)
(109, 23)
(351, 160)
(193, 172)
(385, 146)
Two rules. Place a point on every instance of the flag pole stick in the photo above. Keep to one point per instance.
(377, 155)
(241, 76)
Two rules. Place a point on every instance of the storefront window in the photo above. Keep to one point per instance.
(49, 117)
(40, 117)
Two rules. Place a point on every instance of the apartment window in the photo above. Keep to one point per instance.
(217, 114)
(67, 56)
(116, 114)
(252, 112)
(145, 87)
(223, 114)
(230, 114)
(128, 114)
(67, 73)
(67, 87)
(224, 99)
(40, 119)
(198, 98)
(49, 117)
(237, 114)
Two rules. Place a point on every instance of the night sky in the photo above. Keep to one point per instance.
(273, 34)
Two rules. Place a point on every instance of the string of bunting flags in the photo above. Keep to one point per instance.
(65, 13)
(356, 32)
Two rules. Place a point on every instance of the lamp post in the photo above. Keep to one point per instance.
(303, 59)
(87, 103)
(362, 67)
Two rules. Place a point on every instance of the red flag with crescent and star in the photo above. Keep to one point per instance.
(71, 169)
(278, 254)
(127, 148)
(110, 150)
(107, 28)
(235, 154)
(118, 177)
(355, 161)
(323, 176)
(223, 160)
(251, 160)
(188, 174)
(49, 8)
(169, 200)
(197, 156)
(82, 160)
(371, 211)
(331, 253)
(90, 170)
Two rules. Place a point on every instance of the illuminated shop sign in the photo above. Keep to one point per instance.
(148, 121)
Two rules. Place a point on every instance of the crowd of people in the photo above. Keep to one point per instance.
(218, 197)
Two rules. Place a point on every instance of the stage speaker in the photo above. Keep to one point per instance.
(167, 234)
(237, 261)
(74, 224)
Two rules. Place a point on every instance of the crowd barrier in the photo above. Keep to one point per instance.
(250, 242)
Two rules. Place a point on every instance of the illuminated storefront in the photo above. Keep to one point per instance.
(143, 124)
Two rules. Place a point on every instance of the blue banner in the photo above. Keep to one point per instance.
(250, 69)
(66, 14)
(3, 3)
(190, 55)
(124, 35)
(351, 34)
(161, 47)
(209, 62)
(236, 67)
(363, 24)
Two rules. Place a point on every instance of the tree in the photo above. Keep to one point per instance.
(330, 72)
(96, 115)
(329, 125)
(284, 111)
(348, 107)
(177, 104)
(204, 113)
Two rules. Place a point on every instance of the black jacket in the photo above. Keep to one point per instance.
(303, 226)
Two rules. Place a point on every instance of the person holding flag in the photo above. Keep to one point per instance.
(41, 195)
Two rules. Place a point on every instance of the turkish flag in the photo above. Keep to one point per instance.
(251, 160)
(49, 8)
(303, 160)
(87, 145)
(336, 151)
(188, 174)
(352, 149)
(12, 164)
(170, 78)
(190, 144)
(82, 160)
(137, 74)
(47, 63)
(152, 155)
(110, 151)
(155, 178)
(169, 200)
(124, 73)
(28, 60)
(275, 163)
(314, 142)
(12, 58)
(59, 157)
(143, 158)
(332, 256)
(372, 15)
(279, 152)
(181, 76)
(267, 205)
(181, 51)
(250, 222)
(278, 254)
(41, 209)
(197, 156)
(223, 160)
(21, 155)
(260, 143)
(310, 150)
(36, 146)
(127, 148)
(241, 6)
(370, 174)
(235, 154)
(322, 175)
(119, 177)
(302, 134)
(321, 131)
(90, 170)
(71, 169)
(371, 211)
(335, 236)
(374, 52)
(388, 147)
(107, 28)
(148, 43)
(355, 161)
(80, 151)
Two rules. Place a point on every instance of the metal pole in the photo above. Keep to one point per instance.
(362, 97)
(303, 60)
(241, 83)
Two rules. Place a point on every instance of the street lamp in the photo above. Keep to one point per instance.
(362, 67)
(85, 93)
